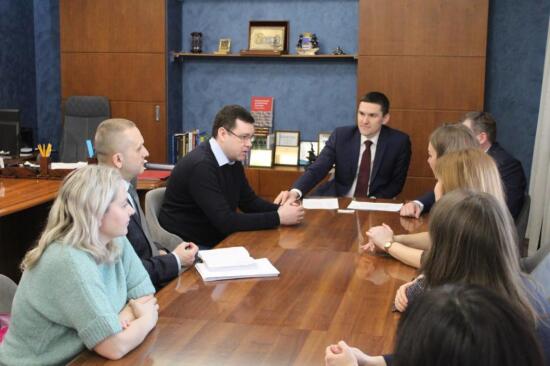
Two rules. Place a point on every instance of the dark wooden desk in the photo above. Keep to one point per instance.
(327, 291)
(20, 194)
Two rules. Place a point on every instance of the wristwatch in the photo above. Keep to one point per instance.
(387, 245)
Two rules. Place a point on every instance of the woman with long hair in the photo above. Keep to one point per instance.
(83, 285)
(469, 168)
(444, 139)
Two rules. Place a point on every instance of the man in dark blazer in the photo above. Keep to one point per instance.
(119, 144)
(388, 157)
(484, 126)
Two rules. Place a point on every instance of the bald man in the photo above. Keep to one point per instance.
(120, 145)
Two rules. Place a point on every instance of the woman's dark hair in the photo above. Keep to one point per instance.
(474, 241)
(459, 325)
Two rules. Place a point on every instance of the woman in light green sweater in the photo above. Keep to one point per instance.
(83, 286)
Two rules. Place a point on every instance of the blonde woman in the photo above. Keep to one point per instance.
(470, 168)
(443, 140)
(83, 285)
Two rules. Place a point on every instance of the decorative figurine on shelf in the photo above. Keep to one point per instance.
(311, 157)
(338, 51)
(307, 44)
(196, 42)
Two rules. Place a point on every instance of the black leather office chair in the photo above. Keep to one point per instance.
(82, 115)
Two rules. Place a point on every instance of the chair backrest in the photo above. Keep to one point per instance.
(153, 202)
(82, 115)
(7, 292)
(523, 219)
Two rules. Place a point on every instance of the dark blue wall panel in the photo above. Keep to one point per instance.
(515, 62)
(17, 60)
(312, 96)
(48, 74)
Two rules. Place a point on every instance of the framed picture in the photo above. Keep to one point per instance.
(262, 158)
(306, 147)
(268, 36)
(323, 138)
(287, 138)
(287, 155)
(224, 47)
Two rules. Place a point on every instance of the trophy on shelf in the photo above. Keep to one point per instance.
(308, 44)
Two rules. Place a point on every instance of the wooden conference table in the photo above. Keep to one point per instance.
(327, 291)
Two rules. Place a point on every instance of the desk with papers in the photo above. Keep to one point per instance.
(326, 291)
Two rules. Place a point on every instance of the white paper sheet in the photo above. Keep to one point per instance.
(68, 165)
(320, 203)
(375, 206)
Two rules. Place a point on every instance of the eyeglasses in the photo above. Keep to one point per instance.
(243, 138)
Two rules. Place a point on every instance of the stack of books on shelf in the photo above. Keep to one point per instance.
(234, 262)
(185, 142)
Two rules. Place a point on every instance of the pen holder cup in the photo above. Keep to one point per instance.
(45, 164)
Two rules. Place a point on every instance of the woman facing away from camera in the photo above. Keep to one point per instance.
(454, 325)
(83, 286)
(470, 168)
(474, 242)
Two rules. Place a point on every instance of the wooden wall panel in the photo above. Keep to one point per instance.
(143, 115)
(428, 57)
(120, 77)
(117, 49)
(420, 82)
(423, 27)
(100, 26)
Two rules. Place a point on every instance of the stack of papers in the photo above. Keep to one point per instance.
(235, 262)
(375, 206)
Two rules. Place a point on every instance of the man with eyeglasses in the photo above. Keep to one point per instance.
(208, 185)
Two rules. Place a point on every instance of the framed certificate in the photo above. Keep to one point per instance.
(323, 138)
(262, 158)
(287, 155)
(268, 36)
(287, 138)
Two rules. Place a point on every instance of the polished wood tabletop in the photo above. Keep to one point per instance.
(327, 291)
(20, 194)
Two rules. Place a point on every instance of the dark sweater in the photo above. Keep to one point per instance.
(201, 200)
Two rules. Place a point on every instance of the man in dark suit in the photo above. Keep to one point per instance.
(371, 159)
(484, 126)
(119, 144)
